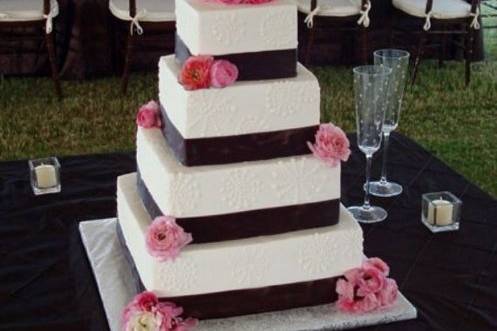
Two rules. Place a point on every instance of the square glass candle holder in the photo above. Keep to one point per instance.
(45, 175)
(441, 211)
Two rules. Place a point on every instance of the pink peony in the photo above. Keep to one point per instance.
(371, 281)
(376, 262)
(331, 145)
(165, 238)
(149, 116)
(196, 72)
(388, 295)
(145, 312)
(367, 288)
(223, 73)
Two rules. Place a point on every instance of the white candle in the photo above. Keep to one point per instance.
(45, 176)
(440, 212)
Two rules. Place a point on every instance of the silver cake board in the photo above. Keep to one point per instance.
(117, 287)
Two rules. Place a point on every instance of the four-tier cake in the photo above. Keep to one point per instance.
(259, 217)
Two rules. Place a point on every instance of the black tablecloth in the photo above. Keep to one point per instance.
(46, 282)
(85, 39)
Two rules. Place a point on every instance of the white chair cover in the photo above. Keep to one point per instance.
(146, 11)
(28, 10)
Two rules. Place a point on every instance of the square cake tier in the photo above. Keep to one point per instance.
(308, 260)
(215, 28)
(185, 192)
(243, 108)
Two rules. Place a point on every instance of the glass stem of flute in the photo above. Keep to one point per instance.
(386, 136)
(369, 159)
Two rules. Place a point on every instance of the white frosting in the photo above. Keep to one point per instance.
(213, 28)
(182, 191)
(238, 264)
(245, 107)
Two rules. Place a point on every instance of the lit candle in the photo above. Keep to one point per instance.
(440, 212)
(45, 176)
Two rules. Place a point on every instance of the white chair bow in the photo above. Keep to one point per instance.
(49, 24)
(364, 19)
(475, 24)
(427, 25)
(309, 20)
(135, 22)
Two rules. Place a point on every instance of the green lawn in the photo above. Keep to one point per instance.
(459, 125)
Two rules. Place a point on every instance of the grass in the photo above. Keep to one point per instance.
(458, 125)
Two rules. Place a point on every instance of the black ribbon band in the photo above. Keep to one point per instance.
(254, 65)
(246, 301)
(240, 148)
(252, 223)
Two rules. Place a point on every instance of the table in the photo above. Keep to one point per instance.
(46, 282)
(84, 40)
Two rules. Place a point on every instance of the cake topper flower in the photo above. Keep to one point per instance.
(165, 238)
(331, 145)
(149, 116)
(366, 288)
(199, 72)
(146, 313)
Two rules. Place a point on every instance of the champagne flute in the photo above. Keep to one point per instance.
(370, 86)
(398, 61)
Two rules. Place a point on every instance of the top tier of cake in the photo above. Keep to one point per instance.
(208, 27)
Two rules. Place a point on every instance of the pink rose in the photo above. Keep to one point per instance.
(377, 263)
(331, 145)
(388, 295)
(367, 288)
(143, 302)
(149, 116)
(223, 73)
(196, 72)
(165, 238)
(371, 281)
(145, 312)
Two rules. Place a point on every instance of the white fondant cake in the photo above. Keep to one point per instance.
(239, 264)
(213, 28)
(245, 107)
(182, 191)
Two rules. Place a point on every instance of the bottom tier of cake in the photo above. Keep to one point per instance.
(243, 276)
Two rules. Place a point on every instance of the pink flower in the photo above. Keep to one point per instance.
(195, 73)
(223, 73)
(376, 262)
(367, 288)
(165, 238)
(145, 312)
(388, 295)
(149, 116)
(371, 281)
(146, 301)
(331, 145)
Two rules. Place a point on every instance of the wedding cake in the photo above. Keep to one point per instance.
(235, 205)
